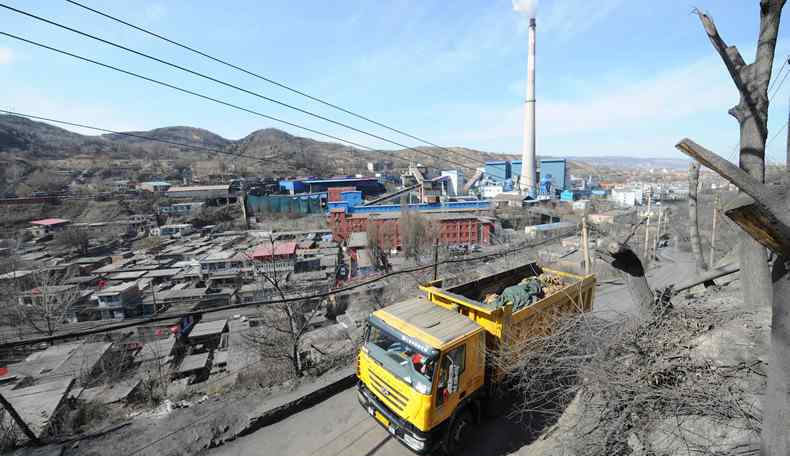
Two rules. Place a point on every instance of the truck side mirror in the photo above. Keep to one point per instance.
(452, 381)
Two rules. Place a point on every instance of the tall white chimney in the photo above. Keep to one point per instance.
(528, 171)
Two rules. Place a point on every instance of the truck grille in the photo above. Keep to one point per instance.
(395, 399)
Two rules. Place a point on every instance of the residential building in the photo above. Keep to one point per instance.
(119, 301)
(49, 225)
(627, 197)
(200, 192)
(549, 230)
(177, 229)
(269, 259)
(181, 209)
(160, 187)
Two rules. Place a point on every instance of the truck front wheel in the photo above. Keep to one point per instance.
(457, 433)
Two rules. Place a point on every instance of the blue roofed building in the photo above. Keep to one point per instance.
(498, 170)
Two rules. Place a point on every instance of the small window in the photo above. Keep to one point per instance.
(455, 356)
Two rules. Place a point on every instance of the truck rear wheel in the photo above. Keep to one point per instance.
(457, 433)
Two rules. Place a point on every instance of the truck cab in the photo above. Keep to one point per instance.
(418, 364)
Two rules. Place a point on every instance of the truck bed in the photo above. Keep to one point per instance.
(467, 298)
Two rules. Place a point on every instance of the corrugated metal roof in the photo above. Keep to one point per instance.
(50, 221)
(439, 322)
(280, 249)
(208, 328)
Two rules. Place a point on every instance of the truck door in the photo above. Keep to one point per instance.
(451, 385)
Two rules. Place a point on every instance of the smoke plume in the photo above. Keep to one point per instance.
(526, 7)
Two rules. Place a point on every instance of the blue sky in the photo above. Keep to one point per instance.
(613, 77)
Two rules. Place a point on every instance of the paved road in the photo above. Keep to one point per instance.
(340, 427)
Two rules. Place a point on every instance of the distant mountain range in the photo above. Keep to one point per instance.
(633, 162)
(275, 150)
(270, 151)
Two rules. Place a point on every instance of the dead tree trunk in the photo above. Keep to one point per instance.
(696, 244)
(752, 115)
(621, 257)
(768, 218)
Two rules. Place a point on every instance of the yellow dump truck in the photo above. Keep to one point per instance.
(424, 369)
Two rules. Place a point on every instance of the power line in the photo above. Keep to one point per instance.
(321, 295)
(219, 101)
(133, 135)
(180, 89)
(158, 140)
(221, 82)
(264, 78)
(773, 80)
(779, 86)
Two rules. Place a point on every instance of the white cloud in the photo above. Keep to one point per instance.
(616, 118)
(6, 56)
(526, 7)
(562, 20)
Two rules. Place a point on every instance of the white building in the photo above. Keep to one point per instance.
(627, 197)
(155, 186)
(457, 181)
(491, 191)
(177, 229)
(119, 301)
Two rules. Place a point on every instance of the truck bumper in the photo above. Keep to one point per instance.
(416, 440)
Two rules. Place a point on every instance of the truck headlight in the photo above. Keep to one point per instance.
(421, 387)
(413, 442)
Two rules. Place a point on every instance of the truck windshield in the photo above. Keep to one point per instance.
(403, 359)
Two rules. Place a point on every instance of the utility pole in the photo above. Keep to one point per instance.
(713, 234)
(647, 225)
(658, 232)
(586, 245)
(436, 258)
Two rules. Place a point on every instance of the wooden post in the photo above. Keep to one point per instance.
(647, 225)
(696, 245)
(658, 232)
(18, 419)
(713, 232)
(586, 246)
(436, 258)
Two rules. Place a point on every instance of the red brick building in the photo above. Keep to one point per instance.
(454, 228)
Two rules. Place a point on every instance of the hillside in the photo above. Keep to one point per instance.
(267, 151)
(185, 135)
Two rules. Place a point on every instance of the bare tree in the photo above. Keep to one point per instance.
(46, 181)
(751, 112)
(696, 246)
(282, 325)
(379, 244)
(74, 238)
(47, 305)
(416, 233)
(764, 215)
